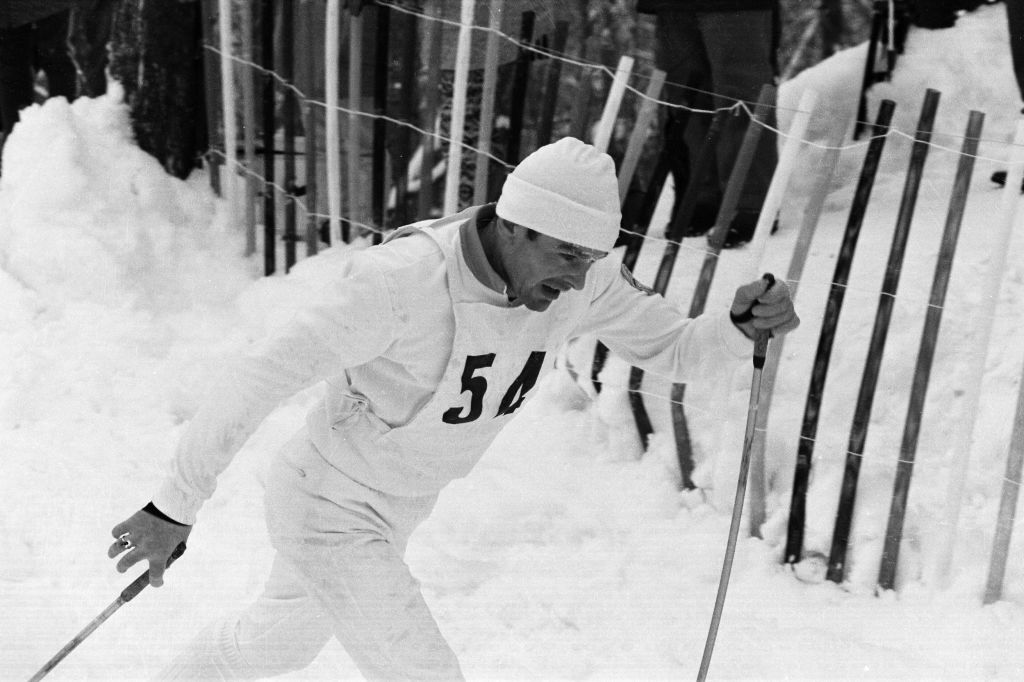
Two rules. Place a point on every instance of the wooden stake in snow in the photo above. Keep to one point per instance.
(552, 80)
(641, 131)
(605, 127)
(674, 235)
(354, 175)
(289, 113)
(249, 128)
(702, 289)
(827, 337)
(381, 80)
(755, 250)
(332, 132)
(490, 87)
(211, 80)
(879, 334)
(1007, 505)
(780, 179)
(811, 214)
(227, 91)
(520, 85)
(926, 352)
(267, 113)
(985, 313)
(458, 124)
(312, 144)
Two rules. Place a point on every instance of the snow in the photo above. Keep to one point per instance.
(565, 554)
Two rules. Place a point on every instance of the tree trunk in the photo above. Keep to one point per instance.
(156, 55)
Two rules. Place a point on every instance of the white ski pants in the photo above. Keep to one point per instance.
(338, 572)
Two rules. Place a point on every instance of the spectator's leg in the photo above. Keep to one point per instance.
(53, 55)
(681, 52)
(741, 49)
(1015, 23)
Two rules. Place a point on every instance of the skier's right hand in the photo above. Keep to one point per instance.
(151, 538)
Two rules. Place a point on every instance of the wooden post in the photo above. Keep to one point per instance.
(332, 38)
(926, 353)
(312, 151)
(985, 316)
(780, 180)
(879, 333)
(551, 83)
(826, 339)
(458, 120)
(730, 199)
(269, 124)
(702, 166)
(227, 79)
(1007, 505)
(211, 77)
(356, 187)
(519, 87)
(641, 128)
(403, 102)
(811, 214)
(605, 127)
(289, 112)
(432, 56)
(481, 186)
(249, 127)
(869, 71)
(380, 108)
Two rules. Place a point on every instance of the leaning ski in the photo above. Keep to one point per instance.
(809, 426)
(879, 333)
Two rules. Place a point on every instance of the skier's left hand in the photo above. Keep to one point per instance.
(145, 537)
(771, 307)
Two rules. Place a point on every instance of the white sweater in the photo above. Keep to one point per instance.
(382, 339)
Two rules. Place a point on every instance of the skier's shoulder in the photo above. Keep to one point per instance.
(408, 251)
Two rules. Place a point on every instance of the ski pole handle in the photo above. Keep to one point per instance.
(140, 583)
(761, 336)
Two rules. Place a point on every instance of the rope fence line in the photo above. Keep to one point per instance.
(906, 300)
(875, 458)
(738, 103)
(306, 100)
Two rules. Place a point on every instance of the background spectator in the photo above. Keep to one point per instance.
(33, 38)
(725, 47)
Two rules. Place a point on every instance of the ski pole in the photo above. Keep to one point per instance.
(127, 594)
(760, 352)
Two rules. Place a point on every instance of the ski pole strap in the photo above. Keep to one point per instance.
(132, 591)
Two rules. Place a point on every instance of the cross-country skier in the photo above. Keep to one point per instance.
(429, 344)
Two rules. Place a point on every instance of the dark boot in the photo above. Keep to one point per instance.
(999, 177)
(741, 229)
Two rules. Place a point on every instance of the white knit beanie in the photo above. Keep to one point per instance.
(566, 190)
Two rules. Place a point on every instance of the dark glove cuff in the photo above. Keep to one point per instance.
(151, 509)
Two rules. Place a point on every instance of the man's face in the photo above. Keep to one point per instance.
(540, 268)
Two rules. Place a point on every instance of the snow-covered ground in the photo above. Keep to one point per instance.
(564, 555)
